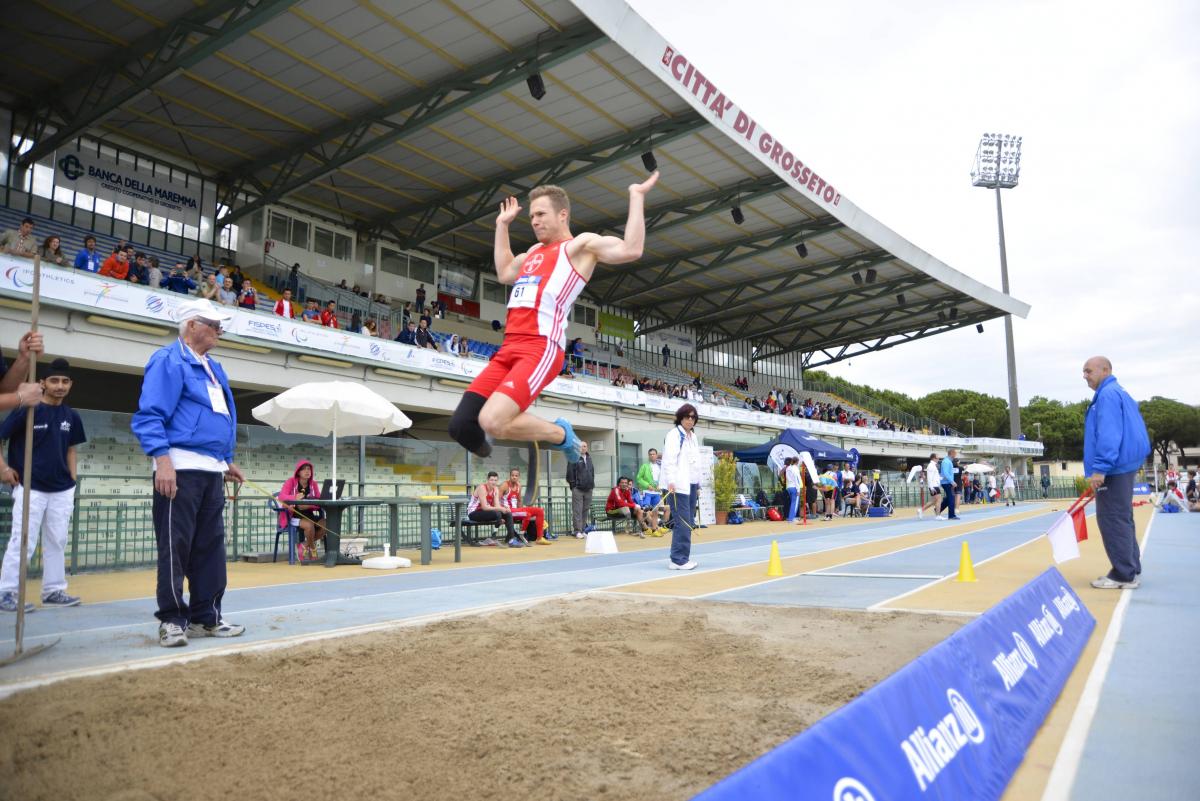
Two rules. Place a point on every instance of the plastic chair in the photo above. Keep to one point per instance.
(291, 530)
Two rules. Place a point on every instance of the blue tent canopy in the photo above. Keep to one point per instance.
(821, 450)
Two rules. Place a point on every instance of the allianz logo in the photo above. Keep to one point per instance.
(1012, 665)
(930, 751)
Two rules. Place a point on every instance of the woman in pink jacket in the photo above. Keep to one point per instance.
(303, 484)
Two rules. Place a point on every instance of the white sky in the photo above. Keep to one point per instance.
(888, 101)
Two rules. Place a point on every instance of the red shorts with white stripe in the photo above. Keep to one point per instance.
(521, 369)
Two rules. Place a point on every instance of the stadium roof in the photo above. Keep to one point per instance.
(411, 120)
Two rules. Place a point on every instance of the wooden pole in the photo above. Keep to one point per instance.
(27, 478)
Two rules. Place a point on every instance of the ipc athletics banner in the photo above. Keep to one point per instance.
(121, 182)
(615, 326)
(953, 723)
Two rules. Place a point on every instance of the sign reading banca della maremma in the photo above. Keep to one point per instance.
(120, 182)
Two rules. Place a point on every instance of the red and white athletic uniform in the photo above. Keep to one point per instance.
(536, 327)
(533, 513)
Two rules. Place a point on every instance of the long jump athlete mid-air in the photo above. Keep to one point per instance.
(545, 280)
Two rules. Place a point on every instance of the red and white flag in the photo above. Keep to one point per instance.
(1064, 541)
(1069, 530)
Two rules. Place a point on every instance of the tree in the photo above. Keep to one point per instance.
(1061, 426)
(1170, 421)
(955, 406)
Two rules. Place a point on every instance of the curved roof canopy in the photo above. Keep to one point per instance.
(411, 119)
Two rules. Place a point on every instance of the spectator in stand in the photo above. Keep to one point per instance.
(186, 422)
(57, 430)
(139, 270)
(534, 517)
(342, 285)
(487, 506)
(248, 298)
(20, 242)
(426, 317)
(409, 335)
(464, 348)
(311, 313)
(52, 251)
(405, 314)
(369, 328)
(420, 298)
(225, 295)
(302, 485)
(178, 280)
(424, 338)
(154, 276)
(329, 316)
(115, 266)
(285, 307)
(210, 289)
(195, 268)
(88, 259)
(652, 500)
(581, 478)
(355, 323)
(576, 351)
(620, 506)
(239, 280)
(666, 352)
(293, 279)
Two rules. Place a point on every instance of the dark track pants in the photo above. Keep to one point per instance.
(190, 532)
(1114, 516)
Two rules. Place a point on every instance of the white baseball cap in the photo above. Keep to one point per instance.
(202, 308)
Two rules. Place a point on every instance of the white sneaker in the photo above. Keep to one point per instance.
(578, 535)
(942, 517)
(221, 629)
(691, 565)
(171, 635)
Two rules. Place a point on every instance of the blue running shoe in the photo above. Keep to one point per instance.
(572, 446)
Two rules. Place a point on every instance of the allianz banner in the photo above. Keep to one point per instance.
(120, 182)
(952, 724)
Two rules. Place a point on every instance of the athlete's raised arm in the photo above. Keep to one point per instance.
(508, 267)
(617, 250)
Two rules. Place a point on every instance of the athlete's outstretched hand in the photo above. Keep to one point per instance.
(508, 211)
(645, 186)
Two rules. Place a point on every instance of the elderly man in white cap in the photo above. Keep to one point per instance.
(186, 423)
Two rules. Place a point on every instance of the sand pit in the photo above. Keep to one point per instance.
(601, 697)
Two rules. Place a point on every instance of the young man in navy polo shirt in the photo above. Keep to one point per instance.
(57, 429)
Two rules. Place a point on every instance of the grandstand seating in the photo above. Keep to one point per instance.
(72, 236)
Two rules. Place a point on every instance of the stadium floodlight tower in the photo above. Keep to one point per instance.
(998, 166)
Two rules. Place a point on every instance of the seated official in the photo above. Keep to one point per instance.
(1173, 497)
(533, 517)
(309, 519)
(487, 506)
(621, 506)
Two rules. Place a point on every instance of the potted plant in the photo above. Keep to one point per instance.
(724, 485)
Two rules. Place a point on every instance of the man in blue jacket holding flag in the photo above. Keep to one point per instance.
(186, 424)
(1115, 445)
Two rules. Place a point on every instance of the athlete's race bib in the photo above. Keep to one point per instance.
(524, 292)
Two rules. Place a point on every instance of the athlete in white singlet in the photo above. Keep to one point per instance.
(546, 280)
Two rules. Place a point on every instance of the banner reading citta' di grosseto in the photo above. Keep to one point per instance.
(137, 187)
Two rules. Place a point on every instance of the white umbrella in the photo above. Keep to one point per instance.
(340, 408)
(979, 468)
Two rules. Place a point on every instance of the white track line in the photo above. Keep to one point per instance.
(874, 575)
(863, 559)
(880, 606)
(1070, 753)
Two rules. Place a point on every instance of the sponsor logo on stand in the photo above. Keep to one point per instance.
(104, 293)
(154, 304)
(263, 328)
(299, 335)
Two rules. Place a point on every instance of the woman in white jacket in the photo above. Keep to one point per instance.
(679, 478)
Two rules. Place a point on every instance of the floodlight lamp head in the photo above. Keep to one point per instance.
(979, 327)
(802, 250)
(857, 278)
(871, 275)
(736, 213)
(649, 162)
(954, 313)
(900, 299)
(537, 87)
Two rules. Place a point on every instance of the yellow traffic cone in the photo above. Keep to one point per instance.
(966, 571)
(775, 564)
